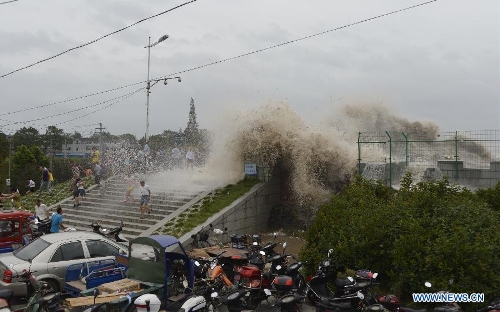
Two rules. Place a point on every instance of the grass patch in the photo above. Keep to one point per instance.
(60, 192)
(207, 207)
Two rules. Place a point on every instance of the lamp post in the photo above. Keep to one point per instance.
(148, 86)
(9, 138)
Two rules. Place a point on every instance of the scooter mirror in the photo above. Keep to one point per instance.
(360, 295)
(375, 275)
(350, 279)
(428, 284)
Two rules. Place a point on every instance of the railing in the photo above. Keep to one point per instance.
(388, 155)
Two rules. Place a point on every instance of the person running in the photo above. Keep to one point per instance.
(190, 159)
(56, 222)
(81, 191)
(76, 193)
(129, 183)
(41, 210)
(145, 197)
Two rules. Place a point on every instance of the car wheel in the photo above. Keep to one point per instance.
(52, 286)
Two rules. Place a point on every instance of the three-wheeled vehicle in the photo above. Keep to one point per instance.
(15, 230)
(161, 267)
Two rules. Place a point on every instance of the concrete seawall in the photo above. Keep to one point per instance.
(247, 215)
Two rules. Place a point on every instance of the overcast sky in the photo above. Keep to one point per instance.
(437, 62)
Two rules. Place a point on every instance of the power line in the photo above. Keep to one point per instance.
(230, 58)
(70, 100)
(118, 98)
(95, 40)
(299, 39)
(8, 2)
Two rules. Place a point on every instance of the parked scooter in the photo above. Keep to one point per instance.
(42, 297)
(290, 303)
(345, 289)
(115, 233)
(393, 304)
(39, 228)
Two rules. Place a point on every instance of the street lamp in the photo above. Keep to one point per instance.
(9, 138)
(162, 38)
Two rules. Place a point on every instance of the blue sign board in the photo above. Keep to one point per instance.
(250, 169)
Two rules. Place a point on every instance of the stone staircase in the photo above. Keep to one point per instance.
(105, 205)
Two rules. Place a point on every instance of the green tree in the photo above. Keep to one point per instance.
(428, 231)
(25, 164)
(191, 132)
(27, 136)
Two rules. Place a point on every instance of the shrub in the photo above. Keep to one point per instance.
(430, 231)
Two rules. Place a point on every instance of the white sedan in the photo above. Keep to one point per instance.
(49, 256)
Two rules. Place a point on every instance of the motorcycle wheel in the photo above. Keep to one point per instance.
(252, 302)
(301, 285)
(311, 297)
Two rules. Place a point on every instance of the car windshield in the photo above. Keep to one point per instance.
(33, 249)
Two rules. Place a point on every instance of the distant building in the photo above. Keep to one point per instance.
(79, 148)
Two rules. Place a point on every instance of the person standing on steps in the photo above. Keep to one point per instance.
(129, 183)
(145, 197)
(76, 193)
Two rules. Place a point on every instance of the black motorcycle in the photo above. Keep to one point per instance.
(115, 233)
(348, 289)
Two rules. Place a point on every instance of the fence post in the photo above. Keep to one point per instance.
(390, 159)
(456, 155)
(359, 154)
(406, 149)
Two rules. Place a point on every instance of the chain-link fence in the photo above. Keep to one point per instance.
(459, 155)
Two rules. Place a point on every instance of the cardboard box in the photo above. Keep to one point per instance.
(120, 286)
(86, 301)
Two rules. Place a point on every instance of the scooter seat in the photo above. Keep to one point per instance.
(333, 304)
(343, 282)
(411, 310)
(6, 294)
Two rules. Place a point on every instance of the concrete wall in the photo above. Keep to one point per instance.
(248, 215)
(472, 178)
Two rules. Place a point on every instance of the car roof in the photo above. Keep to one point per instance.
(62, 236)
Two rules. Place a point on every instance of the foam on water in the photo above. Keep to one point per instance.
(317, 160)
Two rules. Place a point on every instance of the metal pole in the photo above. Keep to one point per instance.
(147, 91)
(359, 154)
(456, 154)
(10, 158)
(390, 159)
(406, 152)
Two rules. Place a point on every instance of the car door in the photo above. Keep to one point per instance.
(66, 254)
(100, 249)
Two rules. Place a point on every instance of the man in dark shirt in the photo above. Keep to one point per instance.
(44, 183)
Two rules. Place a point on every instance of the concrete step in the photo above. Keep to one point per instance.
(105, 205)
(116, 203)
